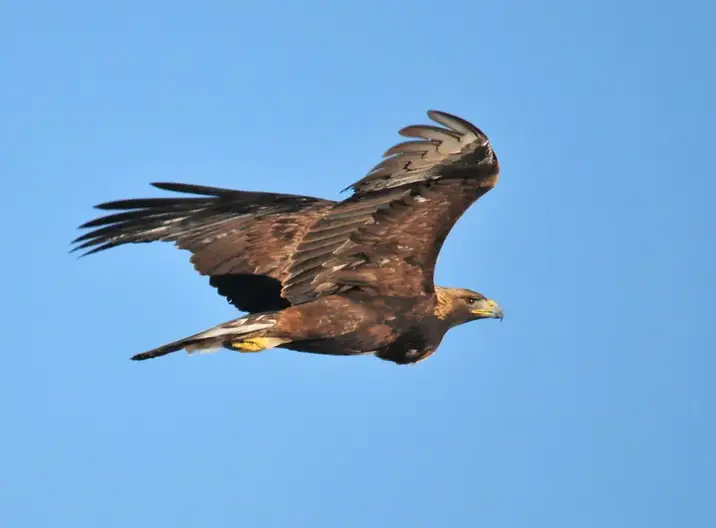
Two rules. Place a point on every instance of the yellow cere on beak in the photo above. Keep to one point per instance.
(490, 309)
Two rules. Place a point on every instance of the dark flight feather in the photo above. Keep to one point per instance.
(246, 237)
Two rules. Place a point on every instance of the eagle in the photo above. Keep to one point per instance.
(350, 277)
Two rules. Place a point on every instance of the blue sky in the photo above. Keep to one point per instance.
(591, 405)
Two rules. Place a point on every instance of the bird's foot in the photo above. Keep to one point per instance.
(256, 344)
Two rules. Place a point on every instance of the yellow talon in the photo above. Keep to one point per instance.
(256, 344)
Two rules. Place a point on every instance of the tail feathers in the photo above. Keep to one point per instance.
(213, 338)
(189, 344)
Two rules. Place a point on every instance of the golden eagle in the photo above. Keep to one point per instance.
(342, 278)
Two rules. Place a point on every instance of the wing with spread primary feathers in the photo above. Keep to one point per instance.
(242, 240)
(387, 235)
(265, 251)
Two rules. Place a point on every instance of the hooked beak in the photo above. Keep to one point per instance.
(490, 309)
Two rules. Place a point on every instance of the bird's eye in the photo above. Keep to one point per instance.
(471, 301)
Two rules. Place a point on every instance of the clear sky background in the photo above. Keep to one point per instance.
(591, 405)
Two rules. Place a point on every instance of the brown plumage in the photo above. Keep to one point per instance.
(342, 278)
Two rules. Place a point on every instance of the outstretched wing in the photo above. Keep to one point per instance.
(242, 240)
(386, 237)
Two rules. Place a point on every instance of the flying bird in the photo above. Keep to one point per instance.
(344, 278)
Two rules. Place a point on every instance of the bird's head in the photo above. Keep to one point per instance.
(458, 305)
